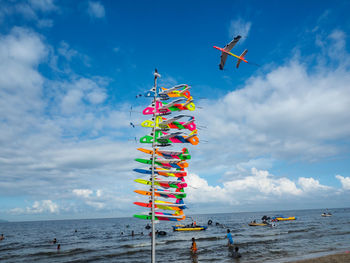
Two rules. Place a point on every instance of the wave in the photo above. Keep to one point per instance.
(300, 230)
(126, 253)
(269, 234)
(258, 242)
(71, 252)
(10, 248)
(137, 245)
(341, 233)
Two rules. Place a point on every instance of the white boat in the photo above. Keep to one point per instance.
(326, 214)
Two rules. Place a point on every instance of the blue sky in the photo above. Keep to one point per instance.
(276, 136)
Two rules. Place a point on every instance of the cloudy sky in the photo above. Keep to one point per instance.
(273, 136)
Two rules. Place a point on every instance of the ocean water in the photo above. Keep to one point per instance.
(100, 240)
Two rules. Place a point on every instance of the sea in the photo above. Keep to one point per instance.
(111, 240)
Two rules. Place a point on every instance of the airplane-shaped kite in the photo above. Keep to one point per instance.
(226, 51)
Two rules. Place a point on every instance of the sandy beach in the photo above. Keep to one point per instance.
(336, 258)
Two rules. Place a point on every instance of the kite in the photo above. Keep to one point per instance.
(226, 51)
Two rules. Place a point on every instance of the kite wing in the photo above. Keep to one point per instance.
(168, 105)
(241, 56)
(177, 87)
(170, 135)
(228, 48)
(166, 122)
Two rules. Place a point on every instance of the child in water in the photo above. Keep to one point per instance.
(229, 237)
(194, 246)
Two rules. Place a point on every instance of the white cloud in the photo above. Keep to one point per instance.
(67, 52)
(42, 23)
(65, 55)
(96, 9)
(263, 182)
(82, 192)
(23, 46)
(311, 184)
(96, 96)
(239, 27)
(43, 206)
(40, 145)
(258, 187)
(20, 53)
(43, 5)
(95, 204)
(39, 207)
(345, 181)
(30, 10)
(108, 201)
(16, 211)
(72, 101)
(201, 191)
(25, 10)
(339, 43)
(79, 92)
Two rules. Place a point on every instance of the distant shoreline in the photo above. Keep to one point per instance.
(334, 258)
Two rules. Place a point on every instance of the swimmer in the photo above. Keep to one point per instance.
(194, 246)
(2, 237)
(54, 241)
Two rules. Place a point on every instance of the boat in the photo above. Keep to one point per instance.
(326, 214)
(188, 228)
(282, 218)
(257, 224)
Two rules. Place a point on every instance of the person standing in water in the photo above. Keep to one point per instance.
(230, 240)
(236, 254)
(2, 237)
(194, 246)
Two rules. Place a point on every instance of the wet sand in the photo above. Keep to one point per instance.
(336, 258)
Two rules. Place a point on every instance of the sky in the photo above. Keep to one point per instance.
(274, 134)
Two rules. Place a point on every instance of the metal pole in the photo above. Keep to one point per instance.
(156, 75)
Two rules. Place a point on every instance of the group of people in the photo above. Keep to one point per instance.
(235, 254)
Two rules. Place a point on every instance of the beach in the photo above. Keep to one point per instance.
(336, 258)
